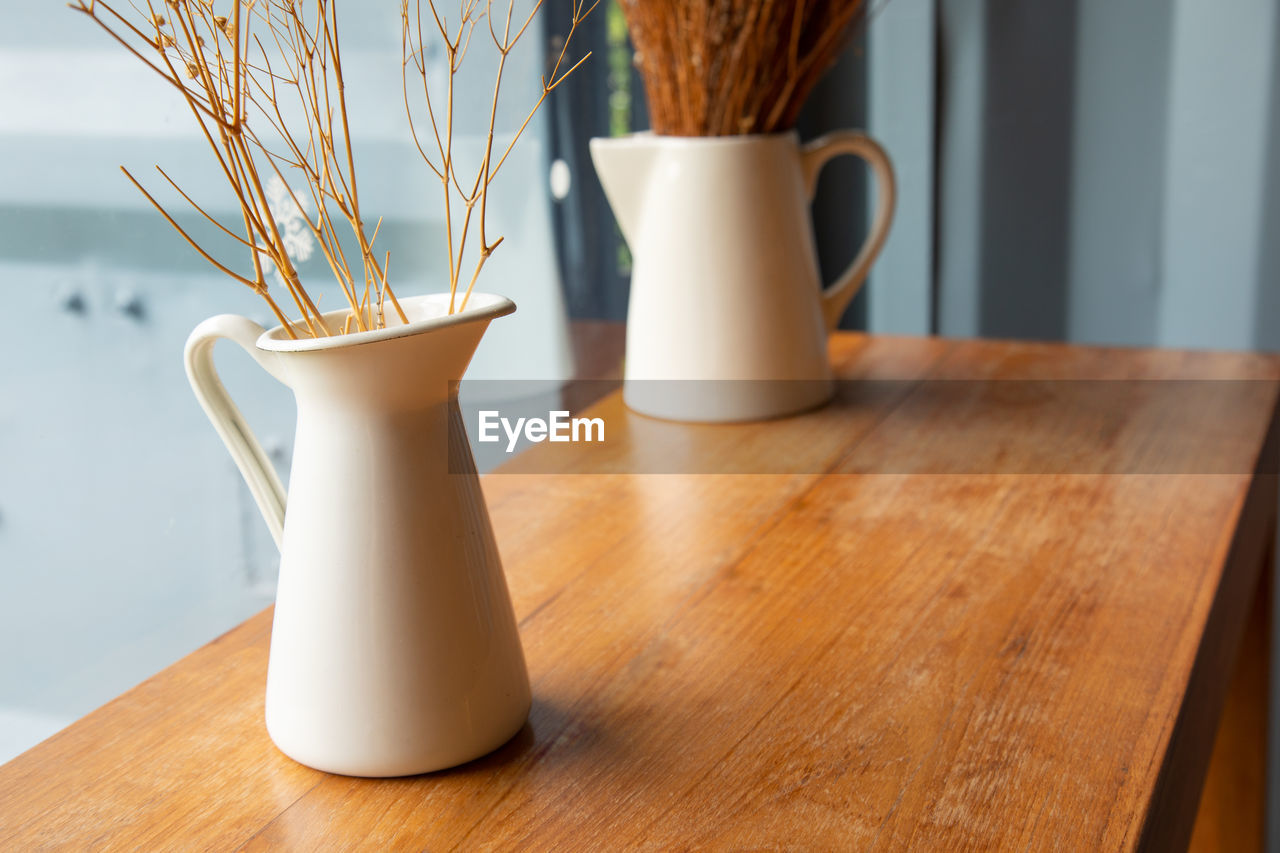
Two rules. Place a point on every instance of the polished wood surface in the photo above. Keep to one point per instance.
(861, 652)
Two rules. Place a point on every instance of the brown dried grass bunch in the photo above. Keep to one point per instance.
(724, 67)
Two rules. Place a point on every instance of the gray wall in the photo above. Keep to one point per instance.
(1108, 171)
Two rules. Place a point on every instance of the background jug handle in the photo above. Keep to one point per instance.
(815, 155)
(248, 454)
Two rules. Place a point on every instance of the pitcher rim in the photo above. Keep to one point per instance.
(481, 306)
(727, 140)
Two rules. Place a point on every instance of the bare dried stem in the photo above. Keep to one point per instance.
(455, 44)
(232, 80)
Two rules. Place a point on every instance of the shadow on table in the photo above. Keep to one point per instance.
(550, 736)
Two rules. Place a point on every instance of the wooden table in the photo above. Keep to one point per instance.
(862, 653)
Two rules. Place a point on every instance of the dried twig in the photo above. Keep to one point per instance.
(236, 85)
(456, 40)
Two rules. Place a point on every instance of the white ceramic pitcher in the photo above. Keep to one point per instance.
(728, 320)
(394, 647)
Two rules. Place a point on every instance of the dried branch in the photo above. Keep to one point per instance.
(413, 60)
(235, 84)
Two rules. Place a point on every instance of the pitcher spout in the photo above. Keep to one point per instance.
(624, 165)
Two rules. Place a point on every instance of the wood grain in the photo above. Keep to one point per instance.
(836, 658)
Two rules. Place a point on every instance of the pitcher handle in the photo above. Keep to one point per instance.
(254, 465)
(813, 156)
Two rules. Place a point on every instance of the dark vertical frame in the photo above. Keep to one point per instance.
(588, 244)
